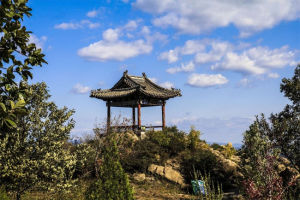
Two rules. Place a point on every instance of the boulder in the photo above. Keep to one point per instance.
(168, 173)
(139, 177)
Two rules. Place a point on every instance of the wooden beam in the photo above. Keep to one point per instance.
(163, 114)
(139, 116)
(108, 115)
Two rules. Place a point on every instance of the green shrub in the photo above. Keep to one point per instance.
(113, 183)
(200, 159)
(171, 140)
(3, 195)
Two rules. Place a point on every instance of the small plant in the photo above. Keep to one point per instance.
(113, 183)
(212, 190)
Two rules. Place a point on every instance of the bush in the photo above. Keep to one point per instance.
(202, 159)
(3, 195)
(157, 147)
(171, 140)
(113, 182)
(228, 150)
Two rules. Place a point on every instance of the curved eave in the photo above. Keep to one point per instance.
(111, 94)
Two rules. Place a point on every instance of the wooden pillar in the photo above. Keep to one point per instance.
(133, 117)
(163, 114)
(139, 116)
(108, 115)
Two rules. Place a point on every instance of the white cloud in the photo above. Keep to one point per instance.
(77, 25)
(80, 89)
(110, 35)
(92, 13)
(196, 17)
(189, 67)
(110, 48)
(245, 82)
(273, 75)
(167, 84)
(240, 58)
(257, 60)
(131, 25)
(206, 80)
(145, 30)
(192, 47)
(171, 56)
(153, 79)
(66, 26)
(39, 42)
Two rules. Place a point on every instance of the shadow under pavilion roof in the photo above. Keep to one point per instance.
(135, 87)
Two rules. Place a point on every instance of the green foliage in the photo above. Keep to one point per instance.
(85, 154)
(213, 191)
(170, 139)
(36, 153)
(17, 57)
(201, 159)
(286, 124)
(228, 150)
(193, 139)
(256, 145)
(3, 195)
(113, 183)
(156, 148)
(145, 152)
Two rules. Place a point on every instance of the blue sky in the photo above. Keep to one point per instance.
(227, 57)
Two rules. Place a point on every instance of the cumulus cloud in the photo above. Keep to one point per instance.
(167, 84)
(242, 58)
(257, 60)
(92, 13)
(189, 67)
(206, 80)
(171, 56)
(77, 25)
(131, 25)
(110, 35)
(114, 50)
(80, 89)
(196, 17)
(111, 48)
(39, 42)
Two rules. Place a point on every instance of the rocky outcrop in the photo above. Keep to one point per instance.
(167, 172)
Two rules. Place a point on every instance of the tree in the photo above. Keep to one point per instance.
(17, 57)
(35, 154)
(260, 160)
(286, 124)
(112, 183)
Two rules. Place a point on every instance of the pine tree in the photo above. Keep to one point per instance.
(113, 183)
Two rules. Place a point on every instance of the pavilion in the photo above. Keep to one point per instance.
(135, 92)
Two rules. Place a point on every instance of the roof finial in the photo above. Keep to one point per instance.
(144, 75)
(125, 73)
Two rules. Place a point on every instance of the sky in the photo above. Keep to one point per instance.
(226, 57)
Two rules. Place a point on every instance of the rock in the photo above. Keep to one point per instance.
(167, 172)
(173, 175)
(139, 177)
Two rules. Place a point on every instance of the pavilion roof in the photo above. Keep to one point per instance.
(135, 86)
